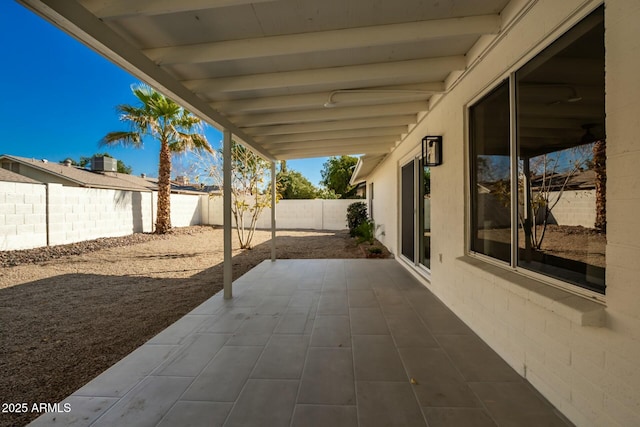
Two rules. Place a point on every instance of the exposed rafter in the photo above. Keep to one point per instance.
(334, 125)
(371, 140)
(354, 76)
(281, 77)
(77, 20)
(389, 94)
(328, 114)
(336, 134)
(297, 153)
(352, 38)
(111, 9)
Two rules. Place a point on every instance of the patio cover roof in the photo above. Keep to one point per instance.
(294, 78)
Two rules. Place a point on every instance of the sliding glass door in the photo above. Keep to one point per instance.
(416, 212)
(408, 211)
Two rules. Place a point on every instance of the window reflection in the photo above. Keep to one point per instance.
(561, 158)
(491, 183)
(426, 216)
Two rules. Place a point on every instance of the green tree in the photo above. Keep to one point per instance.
(175, 128)
(85, 161)
(336, 173)
(293, 185)
(325, 193)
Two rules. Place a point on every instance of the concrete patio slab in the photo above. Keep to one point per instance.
(313, 343)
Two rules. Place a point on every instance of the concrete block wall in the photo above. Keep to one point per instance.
(316, 214)
(79, 214)
(185, 210)
(588, 369)
(575, 208)
(303, 214)
(22, 215)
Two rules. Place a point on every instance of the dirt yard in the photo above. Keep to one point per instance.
(63, 321)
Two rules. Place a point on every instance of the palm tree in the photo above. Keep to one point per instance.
(176, 129)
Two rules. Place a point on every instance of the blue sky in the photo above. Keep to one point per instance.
(58, 97)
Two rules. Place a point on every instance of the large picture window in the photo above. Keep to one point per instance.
(490, 154)
(548, 197)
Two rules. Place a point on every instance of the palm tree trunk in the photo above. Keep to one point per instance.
(600, 168)
(163, 221)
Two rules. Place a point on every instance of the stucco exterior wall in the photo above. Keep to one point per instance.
(584, 360)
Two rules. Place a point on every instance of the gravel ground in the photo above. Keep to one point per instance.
(31, 256)
(70, 312)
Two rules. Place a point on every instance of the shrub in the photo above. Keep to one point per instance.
(366, 232)
(375, 250)
(356, 215)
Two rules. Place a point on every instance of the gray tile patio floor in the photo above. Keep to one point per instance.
(313, 343)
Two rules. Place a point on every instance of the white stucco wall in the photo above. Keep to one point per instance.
(590, 373)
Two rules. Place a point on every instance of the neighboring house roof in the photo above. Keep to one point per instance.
(188, 188)
(195, 188)
(94, 179)
(82, 177)
(581, 180)
(149, 183)
(8, 176)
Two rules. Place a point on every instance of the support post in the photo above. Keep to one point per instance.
(226, 216)
(273, 211)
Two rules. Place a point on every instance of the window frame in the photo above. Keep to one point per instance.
(510, 76)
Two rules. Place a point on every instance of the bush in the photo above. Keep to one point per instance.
(356, 215)
(366, 232)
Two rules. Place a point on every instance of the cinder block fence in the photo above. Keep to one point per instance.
(35, 215)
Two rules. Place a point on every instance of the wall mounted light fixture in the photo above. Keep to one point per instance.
(432, 150)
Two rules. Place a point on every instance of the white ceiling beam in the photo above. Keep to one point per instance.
(402, 120)
(80, 23)
(333, 151)
(112, 9)
(329, 114)
(389, 94)
(336, 134)
(373, 140)
(353, 76)
(351, 38)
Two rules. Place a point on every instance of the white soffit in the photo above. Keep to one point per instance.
(290, 78)
(366, 164)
